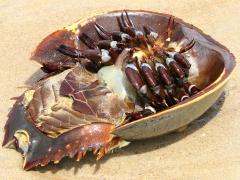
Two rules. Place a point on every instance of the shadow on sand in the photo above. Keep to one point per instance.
(138, 147)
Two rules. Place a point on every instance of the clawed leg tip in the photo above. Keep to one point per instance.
(188, 46)
(102, 32)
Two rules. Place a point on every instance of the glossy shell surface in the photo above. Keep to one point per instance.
(212, 66)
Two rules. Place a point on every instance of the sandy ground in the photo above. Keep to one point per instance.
(208, 149)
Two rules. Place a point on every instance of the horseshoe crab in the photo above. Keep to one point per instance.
(115, 78)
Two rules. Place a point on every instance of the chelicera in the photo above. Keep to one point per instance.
(93, 91)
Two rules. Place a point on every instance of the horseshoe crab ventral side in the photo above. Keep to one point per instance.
(112, 79)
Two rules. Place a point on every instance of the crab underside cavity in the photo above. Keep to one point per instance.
(100, 80)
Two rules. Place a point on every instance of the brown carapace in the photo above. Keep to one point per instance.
(100, 78)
